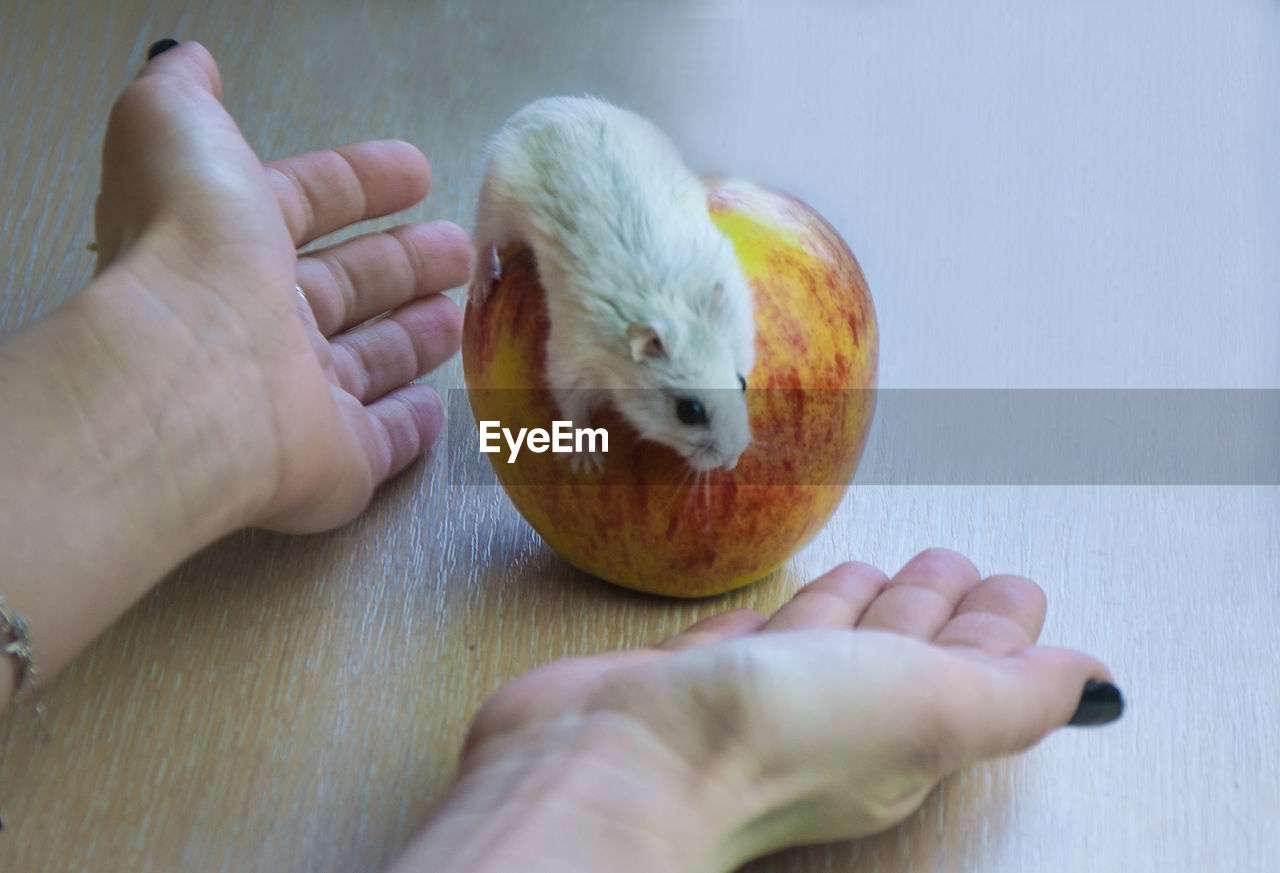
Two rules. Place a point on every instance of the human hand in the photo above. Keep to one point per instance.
(188, 391)
(202, 240)
(831, 720)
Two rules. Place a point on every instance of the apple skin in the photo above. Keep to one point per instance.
(635, 523)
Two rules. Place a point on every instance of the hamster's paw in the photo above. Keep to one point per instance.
(590, 463)
(478, 290)
(574, 406)
(483, 280)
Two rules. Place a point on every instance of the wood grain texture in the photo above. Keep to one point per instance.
(1063, 196)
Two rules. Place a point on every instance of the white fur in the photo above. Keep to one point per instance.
(626, 251)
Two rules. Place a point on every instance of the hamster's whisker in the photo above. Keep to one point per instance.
(691, 499)
(771, 445)
(680, 485)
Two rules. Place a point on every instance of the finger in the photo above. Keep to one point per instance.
(405, 424)
(922, 597)
(713, 629)
(1028, 695)
(382, 355)
(188, 61)
(1000, 615)
(834, 600)
(355, 280)
(319, 345)
(323, 191)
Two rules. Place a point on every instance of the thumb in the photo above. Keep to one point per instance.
(189, 61)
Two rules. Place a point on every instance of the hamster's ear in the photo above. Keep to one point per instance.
(646, 343)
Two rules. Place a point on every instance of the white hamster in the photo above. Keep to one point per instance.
(649, 308)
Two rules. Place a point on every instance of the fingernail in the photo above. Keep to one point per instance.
(1101, 703)
(160, 46)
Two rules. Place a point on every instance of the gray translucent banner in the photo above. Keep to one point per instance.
(961, 437)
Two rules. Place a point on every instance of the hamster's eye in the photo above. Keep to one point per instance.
(690, 411)
(742, 380)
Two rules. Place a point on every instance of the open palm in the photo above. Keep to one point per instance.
(835, 717)
(188, 208)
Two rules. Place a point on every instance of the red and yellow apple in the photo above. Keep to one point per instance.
(636, 522)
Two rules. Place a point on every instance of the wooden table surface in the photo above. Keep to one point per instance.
(1053, 195)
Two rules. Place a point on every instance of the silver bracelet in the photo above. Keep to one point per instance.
(16, 643)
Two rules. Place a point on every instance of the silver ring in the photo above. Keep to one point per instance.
(303, 295)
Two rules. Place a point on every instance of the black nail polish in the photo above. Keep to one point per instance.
(1101, 703)
(160, 46)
